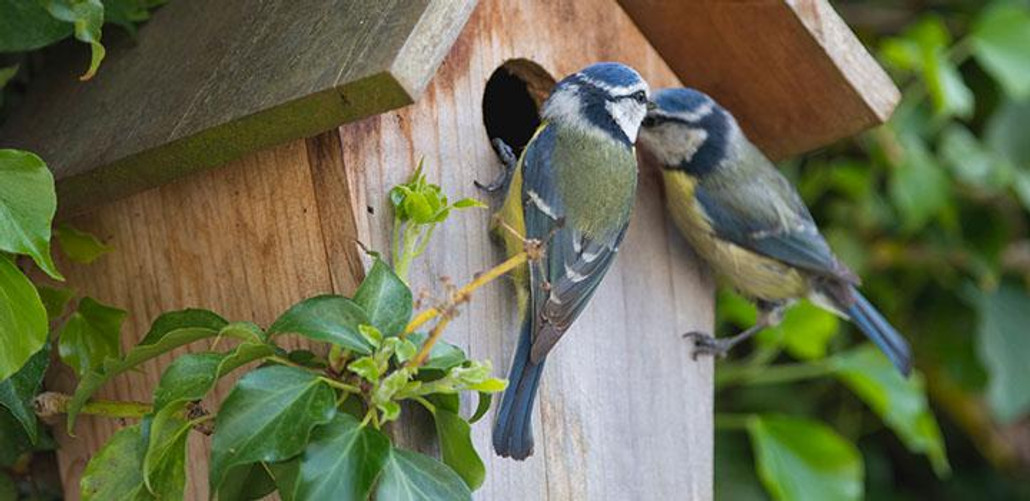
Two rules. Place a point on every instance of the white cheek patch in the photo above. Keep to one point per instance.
(628, 114)
(674, 143)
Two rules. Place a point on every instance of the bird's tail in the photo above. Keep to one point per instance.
(513, 429)
(876, 328)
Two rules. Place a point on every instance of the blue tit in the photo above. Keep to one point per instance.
(572, 189)
(748, 223)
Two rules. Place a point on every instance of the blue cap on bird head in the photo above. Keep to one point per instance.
(688, 130)
(606, 98)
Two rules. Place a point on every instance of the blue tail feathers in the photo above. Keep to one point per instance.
(876, 328)
(513, 429)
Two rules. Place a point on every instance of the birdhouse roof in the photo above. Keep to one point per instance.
(206, 82)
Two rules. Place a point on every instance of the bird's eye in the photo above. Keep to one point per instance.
(649, 122)
(639, 96)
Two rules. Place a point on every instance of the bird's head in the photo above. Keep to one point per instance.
(687, 130)
(604, 98)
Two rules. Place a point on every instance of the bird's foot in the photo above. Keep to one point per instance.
(510, 161)
(705, 344)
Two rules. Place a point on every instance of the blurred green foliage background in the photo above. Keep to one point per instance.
(932, 211)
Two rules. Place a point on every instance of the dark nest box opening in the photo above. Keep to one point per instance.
(512, 100)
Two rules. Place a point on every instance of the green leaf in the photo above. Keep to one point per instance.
(971, 162)
(191, 376)
(116, 470)
(55, 300)
(366, 367)
(169, 331)
(1005, 132)
(26, 25)
(918, 186)
(1000, 37)
(80, 246)
(386, 299)
(268, 417)
(466, 203)
(14, 442)
(129, 13)
(442, 355)
(1004, 348)
(482, 407)
(410, 476)
(23, 320)
(18, 392)
(805, 332)
(804, 459)
(164, 462)
(948, 91)
(87, 17)
(456, 448)
(342, 461)
(326, 318)
(91, 335)
(27, 206)
(247, 482)
(900, 402)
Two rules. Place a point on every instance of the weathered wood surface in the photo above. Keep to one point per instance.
(624, 413)
(209, 81)
(791, 70)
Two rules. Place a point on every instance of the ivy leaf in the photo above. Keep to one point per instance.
(900, 402)
(1000, 38)
(90, 336)
(18, 391)
(971, 162)
(410, 476)
(466, 203)
(386, 299)
(164, 462)
(168, 332)
(456, 448)
(80, 246)
(1004, 348)
(191, 376)
(918, 186)
(55, 300)
(247, 482)
(23, 320)
(804, 459)
(27, 206)
(948, 91)
(268, 417)
(27, 26)
(14, 442)
(482, 407)
(87, 17)
(116, 470)
(330, 318)
(342, 461)
(442, 356)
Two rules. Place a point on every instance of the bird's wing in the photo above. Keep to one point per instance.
(562, 282)
(764, 213)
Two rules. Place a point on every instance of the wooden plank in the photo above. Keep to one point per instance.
(792, 71)
(244, 240)
(207, 82)
(624, 413)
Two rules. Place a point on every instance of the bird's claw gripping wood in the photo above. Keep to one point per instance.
(510, 161)
(705, 344)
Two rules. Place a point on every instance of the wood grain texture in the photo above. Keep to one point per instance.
(790, 70)
(623, 413)
(244, 240)
(207, 82)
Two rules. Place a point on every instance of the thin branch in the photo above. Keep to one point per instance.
(51, 404)
(434, 336)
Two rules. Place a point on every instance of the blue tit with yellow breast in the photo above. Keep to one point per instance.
(572, 189)
(748, 223)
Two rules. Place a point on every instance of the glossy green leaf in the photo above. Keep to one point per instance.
(948, 90)
(482, 407)
(18, 392)
(803, 459)
(805, 332)
(467, 203)
(248, 482)
(442, 356)
(918, 186)
(80, 246)
(87, 17)
(386, 299)
(456, 448)
(55, 300)
(164, 462)
(900, 402)
(91, 335)
(410, 476)
(23, 320)
(330, 318)
(14, 442)
(116, 470)
(1004, 349)
(1000, 37)
(26, 25)
(169, 331)
(27, 206)
(191, 376)
(268, 417)
(342, 461)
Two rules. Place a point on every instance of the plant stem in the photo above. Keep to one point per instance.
(462, 295)
(434, 336)
(732, 421)
(284, 361)
(772, 374)
(50, 404)
(340, 385)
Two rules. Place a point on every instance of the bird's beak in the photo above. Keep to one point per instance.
(651, 106)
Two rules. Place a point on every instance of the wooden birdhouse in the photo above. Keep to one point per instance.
(236, 153)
